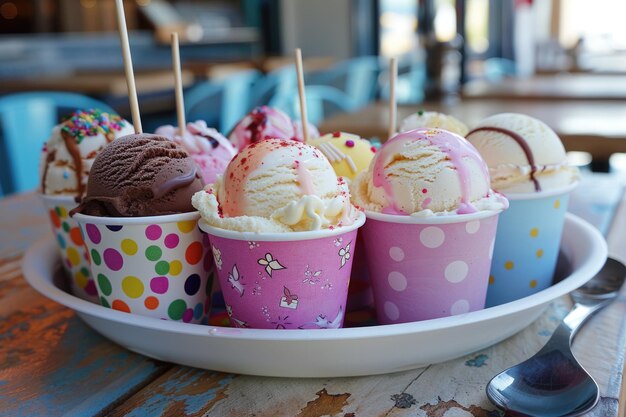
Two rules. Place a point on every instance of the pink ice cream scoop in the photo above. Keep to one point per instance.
(426, 171)
(207, 147)
(267, 122)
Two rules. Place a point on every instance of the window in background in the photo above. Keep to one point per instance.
(398, 27)
(596, 33)
(477, 26)
(445, 20)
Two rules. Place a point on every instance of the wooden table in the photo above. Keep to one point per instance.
(551, 87)
(52, 364)
(596, 127)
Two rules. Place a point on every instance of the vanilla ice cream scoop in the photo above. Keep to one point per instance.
(426, 172)
(70, 151)
(523, 154)
(435, 119)
(277, 185)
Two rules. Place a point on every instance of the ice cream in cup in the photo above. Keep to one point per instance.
(148, 255)
(66, 161)
(283, 234)
(349, 155)
(527, 163)
(431, 224)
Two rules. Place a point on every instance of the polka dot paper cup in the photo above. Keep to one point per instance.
(527, 245)
(68, 236)
(293, 280)
(157, 266)
(425, 268)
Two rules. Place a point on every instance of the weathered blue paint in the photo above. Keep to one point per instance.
(477, 361)
(83, 375)
(176, 389)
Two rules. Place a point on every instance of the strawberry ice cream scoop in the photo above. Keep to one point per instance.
(210, 150)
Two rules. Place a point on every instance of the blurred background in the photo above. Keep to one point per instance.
(561, 59)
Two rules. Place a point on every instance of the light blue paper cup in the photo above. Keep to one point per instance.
(527, 245)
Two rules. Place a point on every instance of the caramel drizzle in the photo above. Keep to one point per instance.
(72, 147)
(49, 158)
(521, 142)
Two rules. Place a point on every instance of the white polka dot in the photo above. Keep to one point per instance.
(397, 281)
(460, 307)
(391, 311)
(396, 253)
(472, 227)
(432, 237)
(456, 271)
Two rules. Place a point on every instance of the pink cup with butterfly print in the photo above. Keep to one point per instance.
(295, 280)
(155, 266)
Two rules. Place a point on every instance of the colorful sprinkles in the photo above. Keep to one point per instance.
(84, 123)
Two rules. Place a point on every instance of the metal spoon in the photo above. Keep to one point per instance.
(552, 383)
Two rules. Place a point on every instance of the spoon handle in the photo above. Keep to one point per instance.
(565, 332)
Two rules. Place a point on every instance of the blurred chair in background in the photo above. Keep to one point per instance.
(276, 83)
(321, 102)
(498, 68)
(237, 101)
(356, 77)
(26, 120)
(223, 102)
(411, 81)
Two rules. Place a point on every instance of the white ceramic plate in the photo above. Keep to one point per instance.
(323, 353)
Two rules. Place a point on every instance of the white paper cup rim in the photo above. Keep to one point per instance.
(435, 219)
(280, 237)
(59, 199)
(142, 220)
(541, 194)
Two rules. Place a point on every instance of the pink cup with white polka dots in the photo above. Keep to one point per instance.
(74, 256)
(295, 280)
(428, 267)
(157, 266)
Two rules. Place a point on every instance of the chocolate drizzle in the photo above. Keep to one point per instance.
(74, 150)
(175, 183)
(521, 142)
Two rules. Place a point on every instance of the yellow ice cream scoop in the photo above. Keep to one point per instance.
(348, 154)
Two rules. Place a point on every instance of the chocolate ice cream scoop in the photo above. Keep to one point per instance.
(141, 175)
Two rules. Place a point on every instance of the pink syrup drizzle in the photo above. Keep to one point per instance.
(249, 160)
(304, 178)
(454, 146)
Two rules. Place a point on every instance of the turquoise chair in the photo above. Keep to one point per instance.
(321, 102)
(26, 120)
(356, 77)
(410, 83)
(277, 83)
(237, 100)
(221, 103)
(498, 68)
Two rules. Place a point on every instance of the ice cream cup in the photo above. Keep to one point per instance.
(75, 258)
(156, 266)
(527, 244)
(293, 280)
(428, 267)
